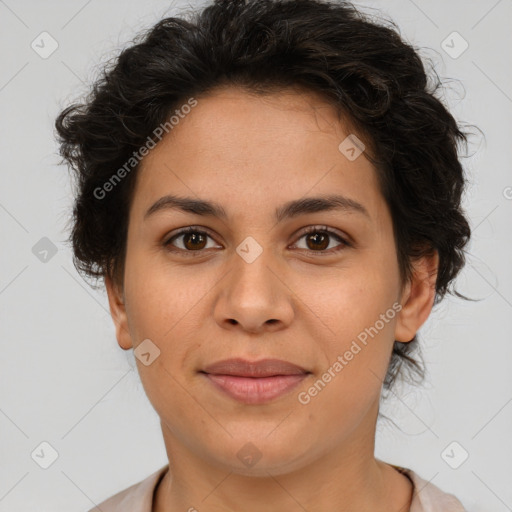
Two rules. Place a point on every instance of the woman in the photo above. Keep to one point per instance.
(271, 193)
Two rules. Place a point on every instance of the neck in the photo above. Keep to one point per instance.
(343, 480)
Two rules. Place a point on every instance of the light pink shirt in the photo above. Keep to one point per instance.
(139, 497)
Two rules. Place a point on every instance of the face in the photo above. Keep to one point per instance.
(314, 286)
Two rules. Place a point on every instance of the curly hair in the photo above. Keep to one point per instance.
(364, 69)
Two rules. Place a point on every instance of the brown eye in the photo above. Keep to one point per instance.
(319, 241)
(192, 240)
(319, 238)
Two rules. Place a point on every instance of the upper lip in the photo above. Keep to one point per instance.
(263, 368)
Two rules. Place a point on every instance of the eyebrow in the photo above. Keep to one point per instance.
(289, 210)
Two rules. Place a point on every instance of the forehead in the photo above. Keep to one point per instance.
(234, 146)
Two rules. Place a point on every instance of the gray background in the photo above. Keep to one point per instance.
(65, 381)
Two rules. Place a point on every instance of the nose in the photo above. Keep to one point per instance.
(254, 296)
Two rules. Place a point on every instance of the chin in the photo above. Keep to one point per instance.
(258, 456)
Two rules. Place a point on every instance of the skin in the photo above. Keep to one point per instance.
(251, 154)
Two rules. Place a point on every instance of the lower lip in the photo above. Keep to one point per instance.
(250, 390)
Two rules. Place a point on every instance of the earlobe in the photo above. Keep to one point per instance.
(118, 312)
(418, 298)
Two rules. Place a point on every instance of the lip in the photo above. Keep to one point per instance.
(255, 382)
(263, 368)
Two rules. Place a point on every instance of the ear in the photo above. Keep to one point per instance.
(118, 311)
(418, 298)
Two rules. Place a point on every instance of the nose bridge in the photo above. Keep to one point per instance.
(253, 294)
(252, 266)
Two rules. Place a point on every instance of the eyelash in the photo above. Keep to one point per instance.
(309, 230)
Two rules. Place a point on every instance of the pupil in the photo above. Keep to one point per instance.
(316, 240)
(193, 237)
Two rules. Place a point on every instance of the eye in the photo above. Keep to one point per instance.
(193, 240)
(318, 239)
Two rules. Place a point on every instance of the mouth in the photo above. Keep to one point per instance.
(254, 382)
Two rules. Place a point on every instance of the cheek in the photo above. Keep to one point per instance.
(357, 361)
(348, 302)
(356, 314)
(159, 296)
(166, 305)
(162, 308)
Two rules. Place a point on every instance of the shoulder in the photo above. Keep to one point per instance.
(429, 498)
(136, 498)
